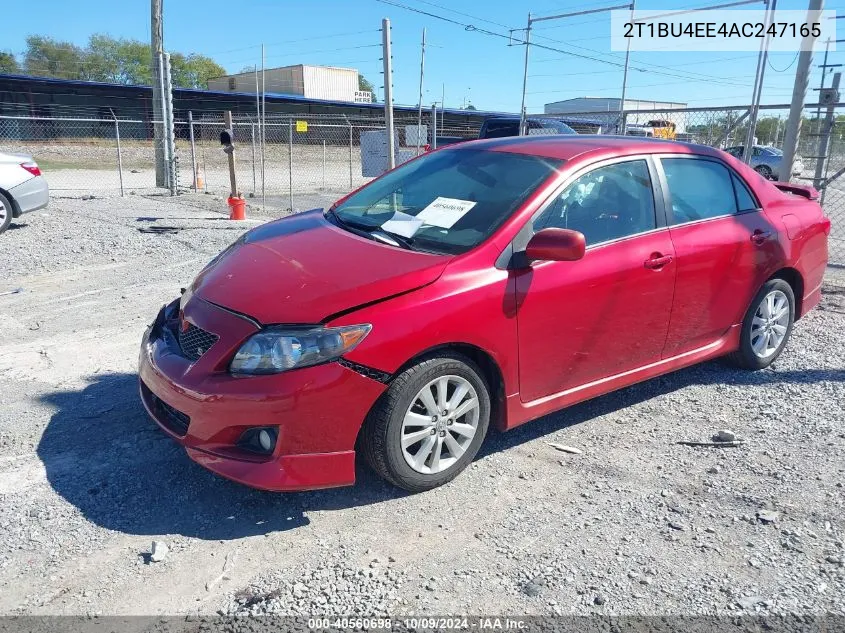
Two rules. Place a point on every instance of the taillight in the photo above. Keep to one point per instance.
(32, 168)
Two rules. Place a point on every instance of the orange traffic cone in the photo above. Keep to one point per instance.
(237, 208)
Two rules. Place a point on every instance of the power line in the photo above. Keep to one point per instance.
(473, 28)
(665, 83)
(782, 70)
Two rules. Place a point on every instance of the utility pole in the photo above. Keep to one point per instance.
(757, 93)
(388, 92)
(422, 75)
(157, 46)
(622, 119)
(799, 92)
(522, 130)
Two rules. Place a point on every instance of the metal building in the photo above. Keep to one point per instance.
(596, 106)
(313, 82)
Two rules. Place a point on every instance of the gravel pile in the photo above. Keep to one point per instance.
(333, 588)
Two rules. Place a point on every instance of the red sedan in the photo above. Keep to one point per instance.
(491, 282)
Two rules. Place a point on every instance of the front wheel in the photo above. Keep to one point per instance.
(766, 327)
(429, 424)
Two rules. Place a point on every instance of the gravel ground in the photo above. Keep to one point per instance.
(635, 524)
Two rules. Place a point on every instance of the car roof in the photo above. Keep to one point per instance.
(516, 118)
(567, 146)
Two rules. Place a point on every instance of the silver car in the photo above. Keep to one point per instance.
(767, 160)
(22, 187)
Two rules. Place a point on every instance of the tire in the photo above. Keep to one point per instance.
(746, 356)
(5, 213)
(381, 439)
(764, 170)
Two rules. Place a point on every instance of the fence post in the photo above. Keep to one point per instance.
(350, 157)
(119, 153)
(193, 150)
(170, 132)
(824, 139)
(434, 126)
(290, 163)
(252, 132)
(324, 164)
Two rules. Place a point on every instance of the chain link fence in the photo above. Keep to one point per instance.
(308, 160)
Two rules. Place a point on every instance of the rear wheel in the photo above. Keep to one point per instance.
(766, 327)
(429, 425)
(5, 213)
(764, 170)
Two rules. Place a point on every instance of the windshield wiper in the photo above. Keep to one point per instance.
(359, 228)
(371, 231)
(401, 240)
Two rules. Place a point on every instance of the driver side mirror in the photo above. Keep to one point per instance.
(556, 245)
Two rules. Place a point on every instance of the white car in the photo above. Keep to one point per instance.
(22, 187)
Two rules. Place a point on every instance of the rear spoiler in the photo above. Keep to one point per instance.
(804, 191)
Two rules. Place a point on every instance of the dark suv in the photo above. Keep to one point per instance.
(499, 127)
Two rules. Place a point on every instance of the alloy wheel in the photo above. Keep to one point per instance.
(3, 212)
(770, 324)
(440, 424)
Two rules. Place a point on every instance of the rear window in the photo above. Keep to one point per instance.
(500, 129)
(700, 189)
(460, 195)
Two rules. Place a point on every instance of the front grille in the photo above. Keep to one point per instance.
(173, 419)
(194, 341)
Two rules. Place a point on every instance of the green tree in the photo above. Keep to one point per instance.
(112, 60)
(193, 71)
(47, 57)
(8, 63)
(365, 84)
(119, 61)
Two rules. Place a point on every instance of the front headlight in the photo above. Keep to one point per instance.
(278, 349)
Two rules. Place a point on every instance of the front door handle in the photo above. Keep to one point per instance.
(657, 261)
(759, 237)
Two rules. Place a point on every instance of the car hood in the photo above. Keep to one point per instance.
(302, 269)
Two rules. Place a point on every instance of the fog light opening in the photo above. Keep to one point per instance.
(265, 440)
(259, 440)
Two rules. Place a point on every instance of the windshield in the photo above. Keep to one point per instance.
(447, 201)
(549, 126)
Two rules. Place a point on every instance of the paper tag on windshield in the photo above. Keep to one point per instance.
(402, 224)
(444, 212)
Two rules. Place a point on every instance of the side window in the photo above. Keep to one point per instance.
(744, 200)
(605, 204)
(700, 189)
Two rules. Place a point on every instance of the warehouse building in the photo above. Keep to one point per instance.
(606, 110)
(313, 82)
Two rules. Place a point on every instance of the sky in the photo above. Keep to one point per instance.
(463, 66)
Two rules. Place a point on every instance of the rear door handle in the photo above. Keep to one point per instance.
(657, 261)
(760, 237)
